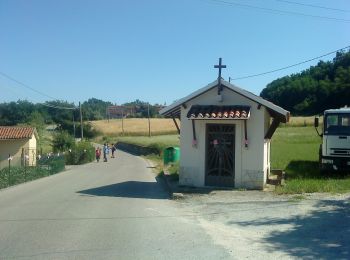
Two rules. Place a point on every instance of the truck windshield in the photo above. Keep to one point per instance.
(337, 124)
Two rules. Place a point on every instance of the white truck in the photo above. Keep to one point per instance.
(334, 153)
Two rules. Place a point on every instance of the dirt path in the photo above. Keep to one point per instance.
(261, 225)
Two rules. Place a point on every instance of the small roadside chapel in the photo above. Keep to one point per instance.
(225, 135)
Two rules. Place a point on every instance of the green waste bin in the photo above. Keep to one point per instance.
(171, 154)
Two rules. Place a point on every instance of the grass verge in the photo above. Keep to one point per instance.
(172, 170)
(159, 142)
(300, 186)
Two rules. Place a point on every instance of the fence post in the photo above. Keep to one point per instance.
(22, 157)
(25, 168)
(9, 175)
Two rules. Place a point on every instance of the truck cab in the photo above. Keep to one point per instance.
(334, 151)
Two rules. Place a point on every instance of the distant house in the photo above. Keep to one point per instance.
(119, 111)
(225, 136)
(19, 144)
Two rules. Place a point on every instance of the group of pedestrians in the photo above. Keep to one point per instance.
(105, 150)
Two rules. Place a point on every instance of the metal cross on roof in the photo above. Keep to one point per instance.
(220, 66)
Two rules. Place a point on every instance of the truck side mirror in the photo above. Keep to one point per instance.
(316, 122)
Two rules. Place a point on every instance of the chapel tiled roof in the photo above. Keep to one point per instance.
(218, 112)
(16, 132)
(174, 110)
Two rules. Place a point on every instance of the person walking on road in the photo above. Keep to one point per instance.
(113, 150)
(105, 152)
(98, 154)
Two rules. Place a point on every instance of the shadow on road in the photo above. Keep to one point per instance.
(130, 189)
(323, 234)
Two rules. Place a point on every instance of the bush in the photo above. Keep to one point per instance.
(82, 152)
(62, 141)
(89, 131)
(53, 164)
(45, 167)
(106, 139)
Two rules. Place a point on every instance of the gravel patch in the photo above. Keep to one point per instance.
(262, 225)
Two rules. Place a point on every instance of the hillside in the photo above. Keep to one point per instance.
(311, 91)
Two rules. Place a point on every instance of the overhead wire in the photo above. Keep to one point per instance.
(13, 90)
(57, 107)
(290, 66)
(314, 6)
(280, 11)
(39, 92)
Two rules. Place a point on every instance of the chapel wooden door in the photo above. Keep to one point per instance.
(220, 155)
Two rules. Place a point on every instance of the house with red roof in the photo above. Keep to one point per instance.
(19, 145)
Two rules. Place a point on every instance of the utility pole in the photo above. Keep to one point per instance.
(122, 120)
(149, 123)
(73, 125)
(81, 122)
(9, 174)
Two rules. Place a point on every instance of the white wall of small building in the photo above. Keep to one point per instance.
(32, 150)
(267, 146)
(250, 163)
(14, 148)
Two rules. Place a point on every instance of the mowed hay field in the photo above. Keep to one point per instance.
(302, 121)
(161, 126)
(135, 126)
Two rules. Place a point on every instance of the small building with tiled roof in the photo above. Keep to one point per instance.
(18, 144)
(225, 136)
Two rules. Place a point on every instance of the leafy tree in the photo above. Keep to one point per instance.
(313, 90)
(141, 108)
(95, 109)
(14, 113)
(37, 120)
(62, 141)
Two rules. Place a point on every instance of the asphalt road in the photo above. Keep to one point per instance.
(118, 210)
(113, 210)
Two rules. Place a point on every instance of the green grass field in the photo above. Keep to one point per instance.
(295, 149)
(159, 142)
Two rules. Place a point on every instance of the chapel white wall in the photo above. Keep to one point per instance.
(250, 167)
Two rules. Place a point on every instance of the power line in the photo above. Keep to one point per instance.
(315, 6)
(290, 66)
(41, 93)
(281, 11)
(43, 104)
(57, 107)
(24, 85)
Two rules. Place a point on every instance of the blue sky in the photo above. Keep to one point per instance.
(157, 50)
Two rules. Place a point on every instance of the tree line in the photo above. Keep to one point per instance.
(52, 112)
(310, 92)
